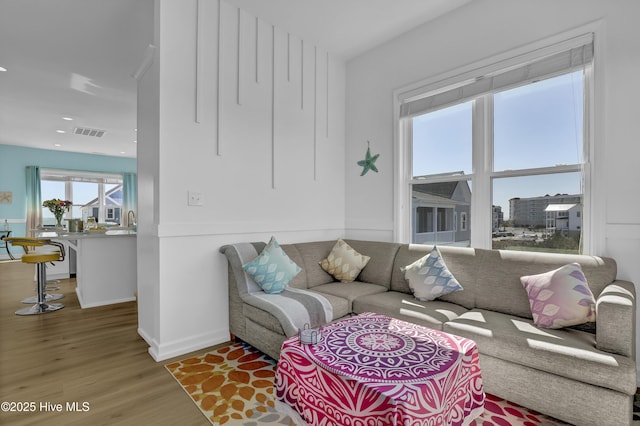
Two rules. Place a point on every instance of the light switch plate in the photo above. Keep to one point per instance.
(195, 199)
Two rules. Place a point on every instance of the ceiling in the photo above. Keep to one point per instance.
(74, 59)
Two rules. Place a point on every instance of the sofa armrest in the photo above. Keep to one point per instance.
(616, 319)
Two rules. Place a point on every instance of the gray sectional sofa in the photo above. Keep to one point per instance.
(582, 375)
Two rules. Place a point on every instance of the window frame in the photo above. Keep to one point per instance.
(482, 176)
(71, 176)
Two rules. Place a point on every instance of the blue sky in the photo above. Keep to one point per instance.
(536, 125)
(83, 192)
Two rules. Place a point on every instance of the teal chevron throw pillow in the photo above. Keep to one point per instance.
(272, 269)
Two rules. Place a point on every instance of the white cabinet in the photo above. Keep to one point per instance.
(106, 270)
(105, 266)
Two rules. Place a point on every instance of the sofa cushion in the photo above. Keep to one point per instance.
(463, 262)
(429, 277)
(380, 267)
(311, 254)
(344, 262)
(272, 269)
(270, 322)
(262, 317)
(300, 280)
(500, 272)
(293, 308)
(567, 352)
(560, 298)
(339, 304)
(349, 291)
(405, 307)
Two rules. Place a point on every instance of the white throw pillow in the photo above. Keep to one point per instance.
(429, 277)
(344, 263)
(560, 298)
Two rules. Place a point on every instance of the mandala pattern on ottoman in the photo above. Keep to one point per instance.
(376, 349)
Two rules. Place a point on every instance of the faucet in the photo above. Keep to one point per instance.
(131, 218)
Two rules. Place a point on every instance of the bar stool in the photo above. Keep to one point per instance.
(40, 259)
(26, 244)
(3, 236)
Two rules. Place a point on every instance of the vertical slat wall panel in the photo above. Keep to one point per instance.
(241, 49)
(217, 76)
(207, 102)
(273, 107)
(259, 72)
(326, 90)
(301, 74)
(315, 113)
(198, 65)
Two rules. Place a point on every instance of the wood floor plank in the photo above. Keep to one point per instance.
(78, 355)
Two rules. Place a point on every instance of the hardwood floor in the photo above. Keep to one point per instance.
(93, 357)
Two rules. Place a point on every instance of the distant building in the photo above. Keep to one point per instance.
(530, 212)
(564, 218)
(441, 213)
(497, 218)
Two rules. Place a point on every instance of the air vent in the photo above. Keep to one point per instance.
(85, 131)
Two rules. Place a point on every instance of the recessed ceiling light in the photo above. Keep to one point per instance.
(57, 144)
(122, 152)
(2, 69)
(67, 118)
(60, 131)
(135, 141)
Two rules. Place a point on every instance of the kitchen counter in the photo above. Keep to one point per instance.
(64, 235)
(105, 264)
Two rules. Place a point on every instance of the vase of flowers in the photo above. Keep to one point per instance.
(57, 207)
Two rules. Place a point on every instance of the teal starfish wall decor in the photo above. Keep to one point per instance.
(369, 162)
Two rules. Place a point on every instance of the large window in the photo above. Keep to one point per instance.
(517, 136)
(92, 194)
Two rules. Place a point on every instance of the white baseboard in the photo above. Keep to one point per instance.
(161, 352)
(58, 276)
(146, 337)
(103, 302)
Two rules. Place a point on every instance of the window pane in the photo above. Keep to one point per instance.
(85, 192)
(113, 194)
(440, 213)
(48, 191)
(85, 195)
(542, 213)
(424, 219)
(540, 124)
(442, 141)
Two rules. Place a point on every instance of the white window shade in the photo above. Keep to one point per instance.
(544, 63)
(79, 176)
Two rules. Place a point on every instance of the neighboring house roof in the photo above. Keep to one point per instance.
(434, 199)
(440, 189)
(459, 192)
(109, 193)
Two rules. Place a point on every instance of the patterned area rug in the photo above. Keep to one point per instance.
(234, 386)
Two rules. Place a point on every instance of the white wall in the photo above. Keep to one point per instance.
(255, 122)
(484, 29)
